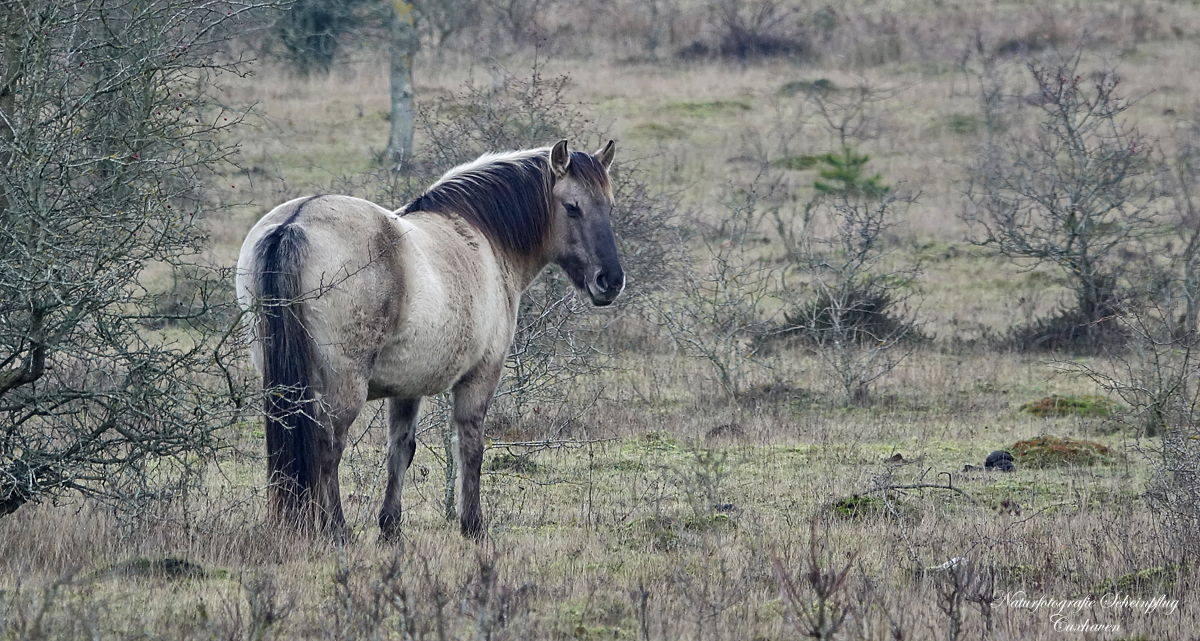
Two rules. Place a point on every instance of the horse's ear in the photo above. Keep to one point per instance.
(605, 156)
(560, 159)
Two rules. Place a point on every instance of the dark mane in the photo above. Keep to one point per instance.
(508, 197)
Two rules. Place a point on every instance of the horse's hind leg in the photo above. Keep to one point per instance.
(402, 444)
(472, 397)
(336, 411)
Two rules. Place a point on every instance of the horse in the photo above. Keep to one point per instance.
(350, 302)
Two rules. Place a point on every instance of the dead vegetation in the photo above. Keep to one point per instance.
(718, 473)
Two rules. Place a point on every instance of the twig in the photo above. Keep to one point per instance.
(549, 443)
(922, 486)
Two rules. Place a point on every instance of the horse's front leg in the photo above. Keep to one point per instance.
(402, 444)
(472, 397)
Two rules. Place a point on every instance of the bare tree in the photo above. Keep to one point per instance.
(109, 386)
(309, 33)
(1075, 193)
(1179, 281)
(440, 20)
(404, 44)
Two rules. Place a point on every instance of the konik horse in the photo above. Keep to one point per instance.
(351, 302)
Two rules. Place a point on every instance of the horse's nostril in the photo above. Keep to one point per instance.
(602, 282)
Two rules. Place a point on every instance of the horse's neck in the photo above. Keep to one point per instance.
(525, 269)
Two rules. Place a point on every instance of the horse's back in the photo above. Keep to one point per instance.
(406, 304)
(347, 273)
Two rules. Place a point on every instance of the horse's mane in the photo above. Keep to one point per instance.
(506, 196)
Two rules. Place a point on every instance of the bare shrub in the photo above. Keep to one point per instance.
(1177, 283)
(850, 113)
(835, 244)
(265, 612)
(700, 480)
(857, 317)
(961, 582)
(1158, 377)
(511, 112)
(758, 28)
(107, 134)
(816, 598)
(404, 598)
(441, 20)
(723, 306)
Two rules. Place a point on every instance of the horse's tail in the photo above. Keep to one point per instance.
(290, 423)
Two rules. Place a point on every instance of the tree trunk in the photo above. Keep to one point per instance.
(404, 46)
(13, 33)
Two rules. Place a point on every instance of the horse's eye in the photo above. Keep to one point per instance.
(573, 210)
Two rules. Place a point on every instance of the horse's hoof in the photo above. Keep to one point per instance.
(389, 529)
(473, 530)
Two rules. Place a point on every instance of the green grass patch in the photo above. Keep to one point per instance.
(657, 131)
(661, 532)
(962, 124)
(658, 442)
(706, 522)
(629, 465)
(1148, 581)
(1085, 405)
(704, 109)
(512, 463)
(164, 568)
(1051, 451)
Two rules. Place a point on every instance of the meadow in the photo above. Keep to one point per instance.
(647, 499)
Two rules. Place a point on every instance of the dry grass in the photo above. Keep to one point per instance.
(689, 511)
(689, 504)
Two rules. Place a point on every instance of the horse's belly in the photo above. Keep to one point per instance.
(409, 370)
(457, 314)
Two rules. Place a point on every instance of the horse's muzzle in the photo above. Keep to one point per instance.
(605, 288)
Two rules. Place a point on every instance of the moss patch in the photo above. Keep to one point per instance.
(1085, 405)
(1051, 451)
(962, 124)
(658, 442)
(856, 506)
(661, 532)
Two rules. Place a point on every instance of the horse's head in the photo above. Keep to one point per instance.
(581, 238)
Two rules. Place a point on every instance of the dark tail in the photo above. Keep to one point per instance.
(291, 425)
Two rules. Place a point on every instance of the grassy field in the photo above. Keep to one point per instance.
(670, 509)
